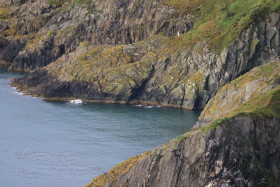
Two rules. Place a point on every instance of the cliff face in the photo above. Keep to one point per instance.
(241, 149)
(157, 70)
(48, 29)
(234, 154)
(240, 91)
(128, 51)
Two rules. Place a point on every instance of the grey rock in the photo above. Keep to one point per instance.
(122, 22)
(234, 154)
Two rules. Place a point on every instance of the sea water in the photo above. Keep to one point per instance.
(64, 144)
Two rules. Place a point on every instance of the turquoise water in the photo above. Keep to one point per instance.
(61, 144)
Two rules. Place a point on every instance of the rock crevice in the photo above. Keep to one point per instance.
(185, 77)
(240, 147)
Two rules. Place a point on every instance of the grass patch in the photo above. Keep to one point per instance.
(266, 105)
(258, 80)
(117, 171)
(214, 124)
(268, 69)
(57, 2)
(137, 4)
(187, 134)
(205, 128)
(82, 3)
(262, 106)
(221, 22)
(74, 3)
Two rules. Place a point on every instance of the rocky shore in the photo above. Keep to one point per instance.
(222, 56)
(128, 52)
(150, 72)
(239, 147)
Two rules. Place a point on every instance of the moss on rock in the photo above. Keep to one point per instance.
(221, 22)
(244, 93)
(117, 171)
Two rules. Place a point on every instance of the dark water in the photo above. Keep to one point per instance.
(62, 144)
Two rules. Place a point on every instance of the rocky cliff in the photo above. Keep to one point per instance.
(146, 64)
(239, 147)
(41, 31)
(156, 71)
(177, 53)
(238, 92)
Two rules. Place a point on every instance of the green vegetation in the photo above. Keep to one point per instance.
(82, 2)
(137, 3)
(4, 13)
(249, 87)
(264, 105)
(187, 134)
(260, 104)
(74, 3)
(268, 69)
(117, 171)
(100, 65)
(39, 38)
(30, 27)
(57, 2)
(221, 22)
(214, 124)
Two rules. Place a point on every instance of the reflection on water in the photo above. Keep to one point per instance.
(64, 144)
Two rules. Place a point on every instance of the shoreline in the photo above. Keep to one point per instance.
(26, 91)
(4, 64)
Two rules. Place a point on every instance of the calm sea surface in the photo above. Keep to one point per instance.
(61, 144)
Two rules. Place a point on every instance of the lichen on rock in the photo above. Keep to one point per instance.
(170, 53)
(238, 92)
(228, 151)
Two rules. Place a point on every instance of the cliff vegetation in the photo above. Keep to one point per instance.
(231, 150)
(129, 52)
(221, 55)
(221, 22)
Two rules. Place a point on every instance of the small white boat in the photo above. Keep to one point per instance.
(18, 93)
(149, 106)
(76, 101)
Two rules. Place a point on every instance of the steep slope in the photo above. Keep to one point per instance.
(240, 149)
(240, 91)
(156, 71)
(128, 52)
(47, 29)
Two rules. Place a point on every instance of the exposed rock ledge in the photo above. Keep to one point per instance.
(241, 149)
(236, 154)
(155, 71)
(39, 32)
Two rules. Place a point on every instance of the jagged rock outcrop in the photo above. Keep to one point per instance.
(9, 49)
(127, 51)
(256, 82)
(235, 154)
(241, 149)
(154, 71)
(52, 28)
